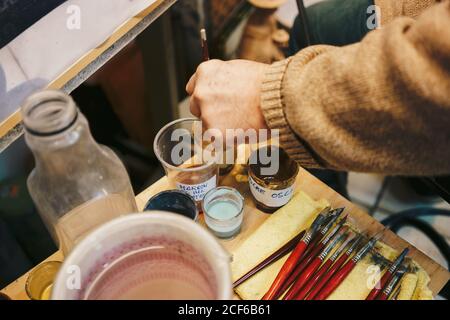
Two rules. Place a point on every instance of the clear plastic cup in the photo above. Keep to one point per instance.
(186, 159)
(148, 256)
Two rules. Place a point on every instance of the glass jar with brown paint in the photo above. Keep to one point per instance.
(272, 176)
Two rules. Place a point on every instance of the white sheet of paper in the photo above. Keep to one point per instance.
(48, 48)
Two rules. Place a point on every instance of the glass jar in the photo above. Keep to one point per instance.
(40, 281)
(272, 176)
(223, 208)
(76, 184)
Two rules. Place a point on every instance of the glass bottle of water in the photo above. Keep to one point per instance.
(76, 184)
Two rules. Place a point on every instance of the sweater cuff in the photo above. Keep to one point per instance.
(272, 108)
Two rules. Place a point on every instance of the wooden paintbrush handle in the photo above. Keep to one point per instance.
(303, 278)
(382, 296)
(380, 285)
(327, 277)
(271, 259)
(336, 280)
(314, 280)
(286, 270)
(304, 262)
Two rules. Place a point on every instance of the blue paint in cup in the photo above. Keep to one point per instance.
(175, 201)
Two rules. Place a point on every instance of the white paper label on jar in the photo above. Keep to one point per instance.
(270, 198)
(198, 191)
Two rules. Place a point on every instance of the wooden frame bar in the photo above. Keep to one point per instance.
(11, 128)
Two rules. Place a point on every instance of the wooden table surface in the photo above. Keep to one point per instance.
(254, 218)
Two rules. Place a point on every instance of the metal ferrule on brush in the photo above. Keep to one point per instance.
(398, 275)
(313, 229)
(327, 227)
(335, 214)
(364, 250)
(307, 237)
(331, 245)
(398, 261)
(315, 226)
(341, 248)
(387, 291)
(334, 231)
(353, 246)
(394, 293)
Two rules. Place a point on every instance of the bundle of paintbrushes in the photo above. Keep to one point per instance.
(323, 256)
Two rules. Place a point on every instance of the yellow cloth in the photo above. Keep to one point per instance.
(285, 224)
(277, 230)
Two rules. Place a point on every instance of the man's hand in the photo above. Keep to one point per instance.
(226, 95)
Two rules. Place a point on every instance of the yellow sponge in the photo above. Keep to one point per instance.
(408, 286)
(285, 224)
(276, 231)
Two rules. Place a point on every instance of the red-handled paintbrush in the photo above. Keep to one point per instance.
(310, 256)
(313, 266)
(347, 268)
(313, 281)
(205, 50)
(319, 247)
(271, 259)
(333, 217)
(387, 275)
(335, 267)
(384, 295)
(291, 262)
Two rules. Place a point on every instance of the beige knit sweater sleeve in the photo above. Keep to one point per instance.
(391, 9)
(382, 105)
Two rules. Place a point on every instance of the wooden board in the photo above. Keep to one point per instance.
(253, 218)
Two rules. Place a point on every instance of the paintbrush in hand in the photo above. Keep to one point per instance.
(205, 50)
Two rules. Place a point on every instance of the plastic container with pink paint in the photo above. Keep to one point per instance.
(154, 255)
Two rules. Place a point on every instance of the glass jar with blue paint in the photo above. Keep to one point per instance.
(174, 201)
(224, 211)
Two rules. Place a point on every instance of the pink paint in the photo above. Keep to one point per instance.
(146, 256)
(151, 268)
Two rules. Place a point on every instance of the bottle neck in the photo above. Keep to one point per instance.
(49, 113)
(54, 127)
